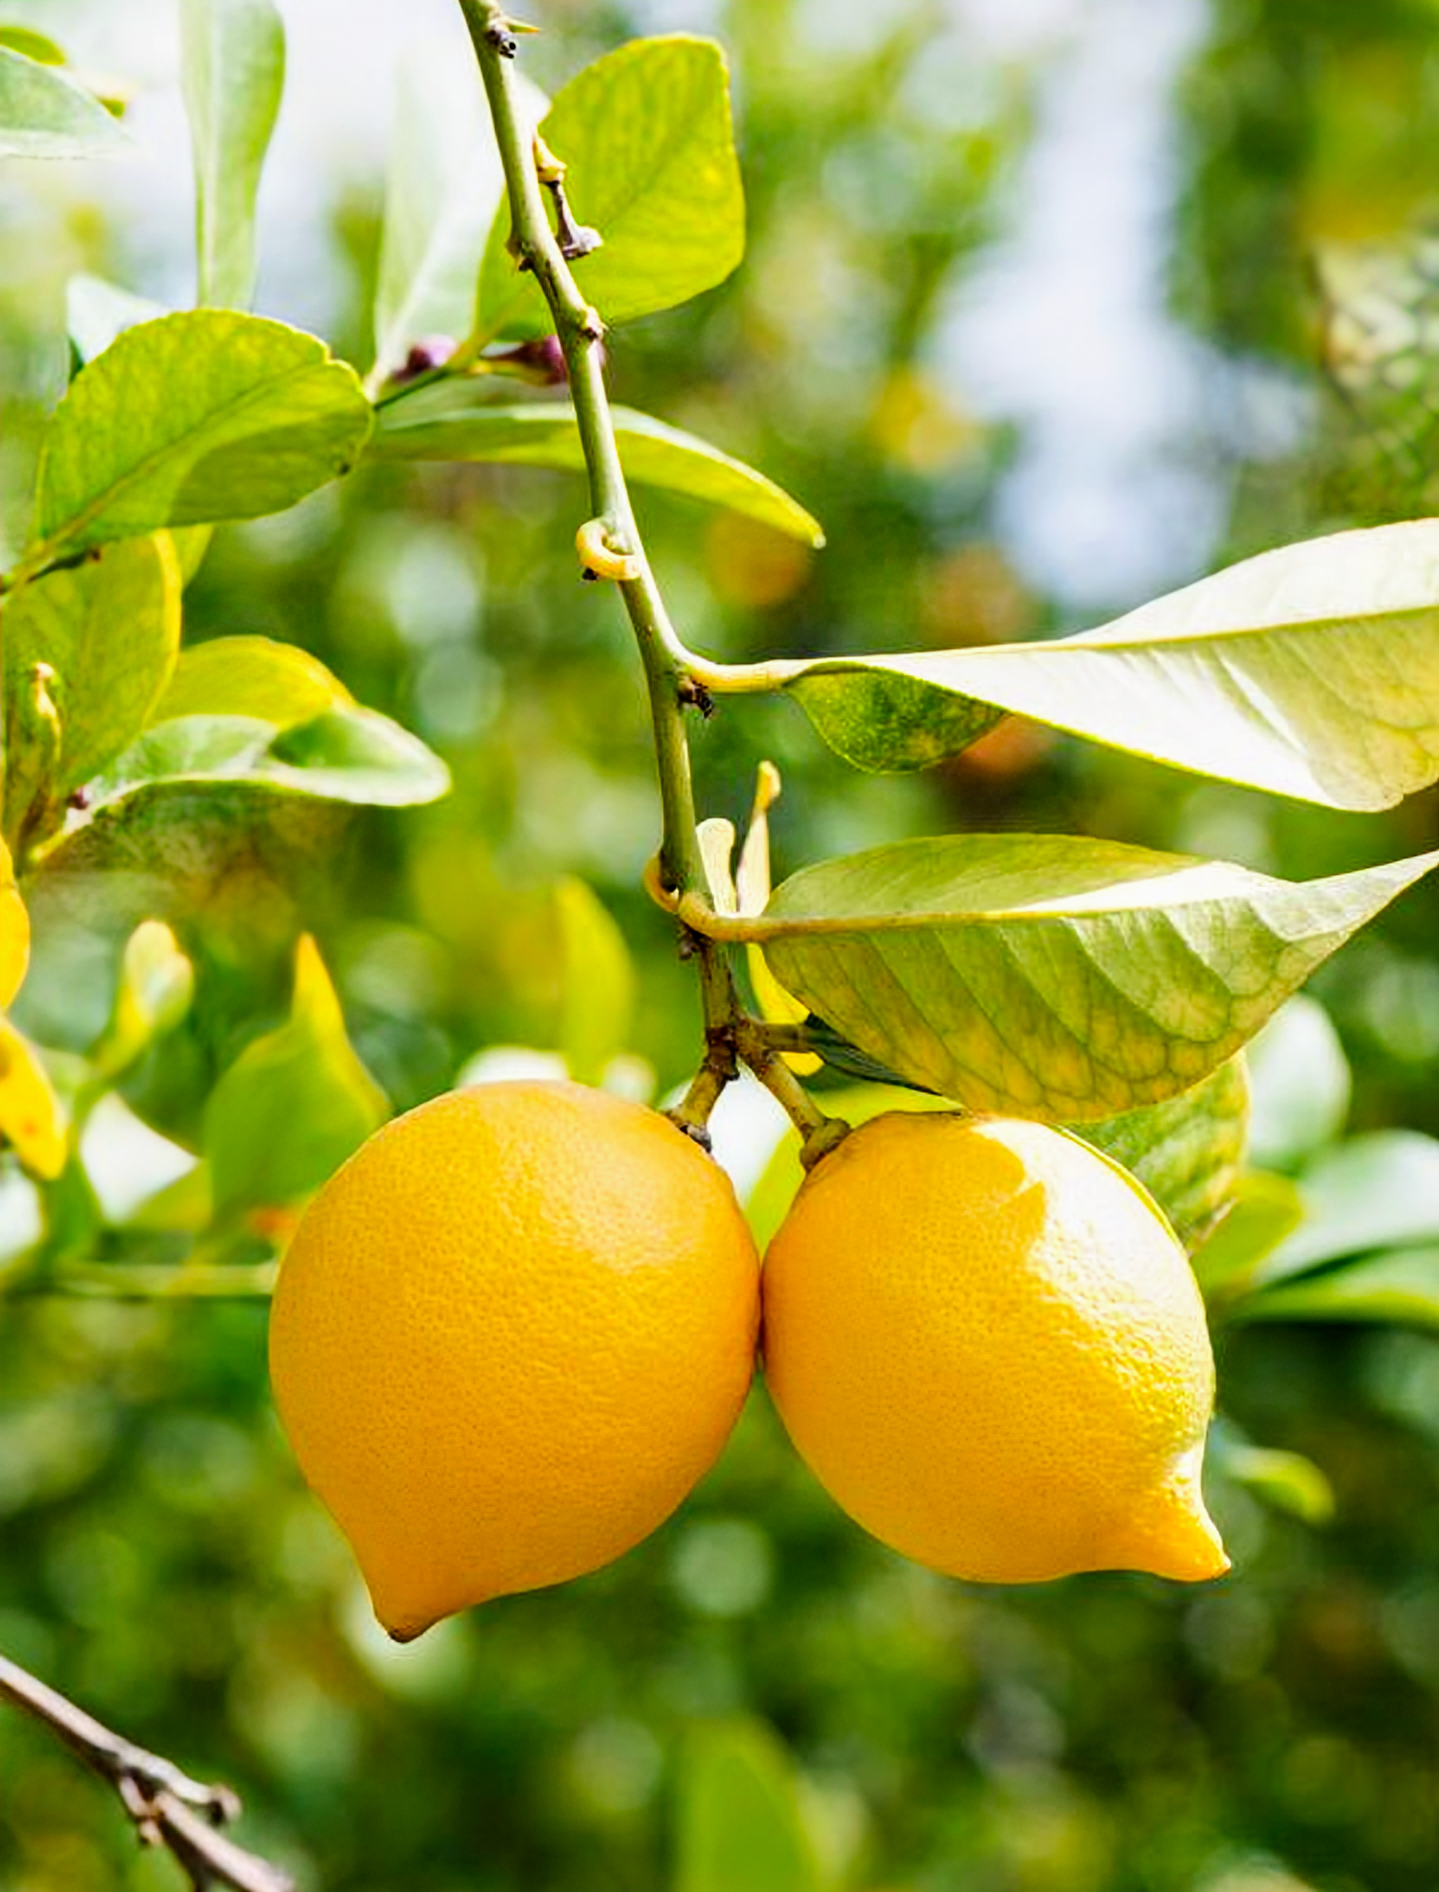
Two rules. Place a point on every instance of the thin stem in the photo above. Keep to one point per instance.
(168, 1808)
(667, 664)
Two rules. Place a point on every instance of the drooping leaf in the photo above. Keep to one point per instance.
(1188, 1152)
(250, 676)
(1375, 1191)
(304, 1076)
(1049, 976)
(197, 417)
(44, 114)
(1301, 1085)
(32, 1118)
(740, 1822)
(110, 630)
(646, 135)
(456, 420)
(1311, 671)
(233, 72)
(598, 983)
(14, 931)
(443, 185)
(1401, 1286)
(97, 311)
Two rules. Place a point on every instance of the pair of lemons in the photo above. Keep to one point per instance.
(515, 1329)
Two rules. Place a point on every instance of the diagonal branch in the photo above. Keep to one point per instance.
(167, 1807)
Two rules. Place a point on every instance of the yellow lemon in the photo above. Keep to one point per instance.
(508, 1337)
(987, 1344)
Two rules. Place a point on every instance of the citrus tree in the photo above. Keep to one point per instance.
(519, 1323)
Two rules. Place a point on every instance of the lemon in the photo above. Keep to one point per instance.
(508, 1337)
(987, 1344)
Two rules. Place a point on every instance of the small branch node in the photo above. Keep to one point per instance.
(694, 695)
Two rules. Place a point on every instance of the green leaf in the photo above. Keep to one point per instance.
(157, 984)
(1311, 671)
(197, 417)
(1049, 976)
(344, 754)
(110, 629)
(1264, 1211)
(43, 114)
(599, 983)
(1301, 1084)
(1374, 1191)
(740, 1822)
(1285, 1480)
(250, 676)
(36, 46)
(1401, 1286)
(97, 311)
(454, 420)
(443, 186)
(210, 813)
(303, 1080)
(646, 137)
(232, 72)
(1188, 1152)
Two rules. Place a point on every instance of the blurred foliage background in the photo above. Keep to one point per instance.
(1047, 307)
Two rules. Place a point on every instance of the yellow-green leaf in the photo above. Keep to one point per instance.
(250, 676)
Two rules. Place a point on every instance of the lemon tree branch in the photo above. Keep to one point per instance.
(168, 1808)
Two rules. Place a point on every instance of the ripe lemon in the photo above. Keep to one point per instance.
(987, 1344)
(508, 1337)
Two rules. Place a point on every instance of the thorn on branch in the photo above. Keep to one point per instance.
(694, 695)
(502, 39)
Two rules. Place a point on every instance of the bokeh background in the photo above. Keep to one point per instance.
(1038, 316)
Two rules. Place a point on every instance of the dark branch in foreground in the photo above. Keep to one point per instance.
(167, 1807)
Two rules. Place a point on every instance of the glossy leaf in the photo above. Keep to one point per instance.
(1188, 1151)
(250, 676)
(304, 1076)
(44, 114)
(646, 137)
(232, 72)
(32, 1118)
(110, 629)
(598, 989)
(1049, 976)
(97, 311)
(1311, 671)
(740, 1822)
(1374, 1191)
(443, 185)
(197, 417)
(1401, 1286)
(456, 420)
(1301, 1085)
